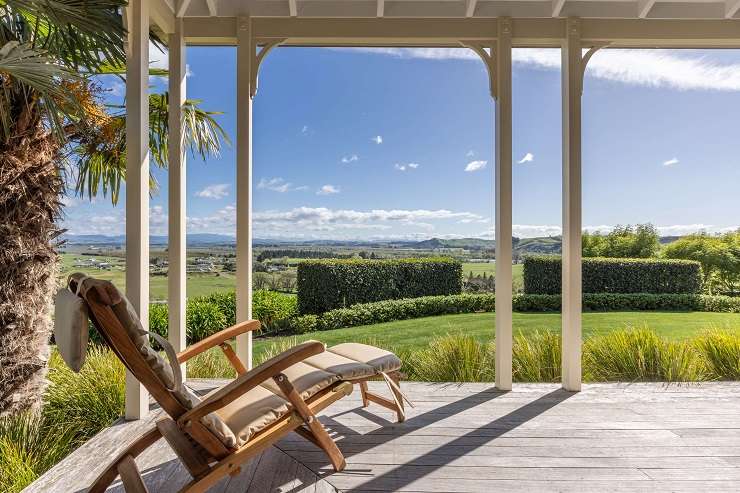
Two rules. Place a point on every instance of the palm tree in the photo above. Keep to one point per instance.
(54, 129)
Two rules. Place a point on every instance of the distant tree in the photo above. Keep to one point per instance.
(640, 241)
(719, 257)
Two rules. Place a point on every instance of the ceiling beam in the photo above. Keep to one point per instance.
(212, 9)
(381, 8)
(390, 31)
(182, 7)
(162, 15)
(470, 7)
(557, 7)
(731, 8)
(644, 7)
(293, 8)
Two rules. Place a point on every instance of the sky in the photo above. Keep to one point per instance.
(399, 144)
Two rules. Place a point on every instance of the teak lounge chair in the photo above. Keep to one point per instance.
(215, 435)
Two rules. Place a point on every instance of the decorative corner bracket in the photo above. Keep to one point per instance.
(587, 56)
(259, 56)
(489, 61)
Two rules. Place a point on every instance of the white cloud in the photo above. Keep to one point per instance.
(304, 129)
(671, 162)
(475, 165)
(407, 166)
(327, 190)
(470, 153)
(350, 159)
(528, 158)
(378, 139)
(278, 185)
(216, 191)
(652, 68)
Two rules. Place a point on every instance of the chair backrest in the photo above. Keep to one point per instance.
(119, 326)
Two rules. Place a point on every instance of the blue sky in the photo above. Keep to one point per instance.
(394, 143)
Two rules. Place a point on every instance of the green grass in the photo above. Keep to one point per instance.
(478, 268)
(418, 333)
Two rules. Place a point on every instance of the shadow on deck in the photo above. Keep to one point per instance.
(471, 438)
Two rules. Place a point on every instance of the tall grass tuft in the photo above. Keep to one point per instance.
(721, 352)
(452, 358)
(639, 355)
(537, 357)
(210, 364)
(30, 444)
(87, 401)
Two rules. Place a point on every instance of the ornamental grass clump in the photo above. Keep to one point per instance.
(639, 355)
(721, 353)
(452, 358)
(30, 444)
(87, 401)
(537, 357)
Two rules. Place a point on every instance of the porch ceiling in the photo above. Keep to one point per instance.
(620, 9)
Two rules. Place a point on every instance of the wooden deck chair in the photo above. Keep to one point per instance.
(215, 435)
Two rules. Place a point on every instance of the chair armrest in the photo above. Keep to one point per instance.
(217, 338)
(247, 381)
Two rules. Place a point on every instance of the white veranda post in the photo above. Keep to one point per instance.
(572, 73)
(137, 183)
(502, 60)
(245, 53)
(176, 273)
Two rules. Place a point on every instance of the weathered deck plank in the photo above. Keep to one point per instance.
(472, 438)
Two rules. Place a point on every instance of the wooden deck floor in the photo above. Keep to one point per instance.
(471, 438)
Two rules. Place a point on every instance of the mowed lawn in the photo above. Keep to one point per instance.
(416, 333)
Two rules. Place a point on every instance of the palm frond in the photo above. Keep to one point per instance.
(101, 150)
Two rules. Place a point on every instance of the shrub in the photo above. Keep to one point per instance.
(452, 358)
(542, 275)
(202, 318)
(537, 357)
(639, 355)
(273, 309)
(226, 302)
(721, 351)
(305, 323)
(159, 318)
(328, 284)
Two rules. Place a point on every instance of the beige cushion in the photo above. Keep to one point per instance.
(306, 379)
(130, 321)
(71, 328)
(212, 421)
(346, 368)
(380, 359)
(252, 412)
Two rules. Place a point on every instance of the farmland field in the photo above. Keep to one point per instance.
(489, 268)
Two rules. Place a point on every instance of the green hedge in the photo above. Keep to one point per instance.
(542, 275)
(328, 284)
(428, 306)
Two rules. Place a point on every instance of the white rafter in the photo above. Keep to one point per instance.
(293, 7)
(557, 7)
(644, 7)
(731, 8)
(381, 8)
(212, 10)
(470, 8)
(182, 7)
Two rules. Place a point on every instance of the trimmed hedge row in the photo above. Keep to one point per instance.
(542, 275)
(427, 306)
(329, 284)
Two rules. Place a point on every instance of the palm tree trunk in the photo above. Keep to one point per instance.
(31, 188)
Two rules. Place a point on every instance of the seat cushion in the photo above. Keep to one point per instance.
(346, 368)
(380, 359)
(307, 380)
(212, 421)
(252, 412)
(70, 328)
